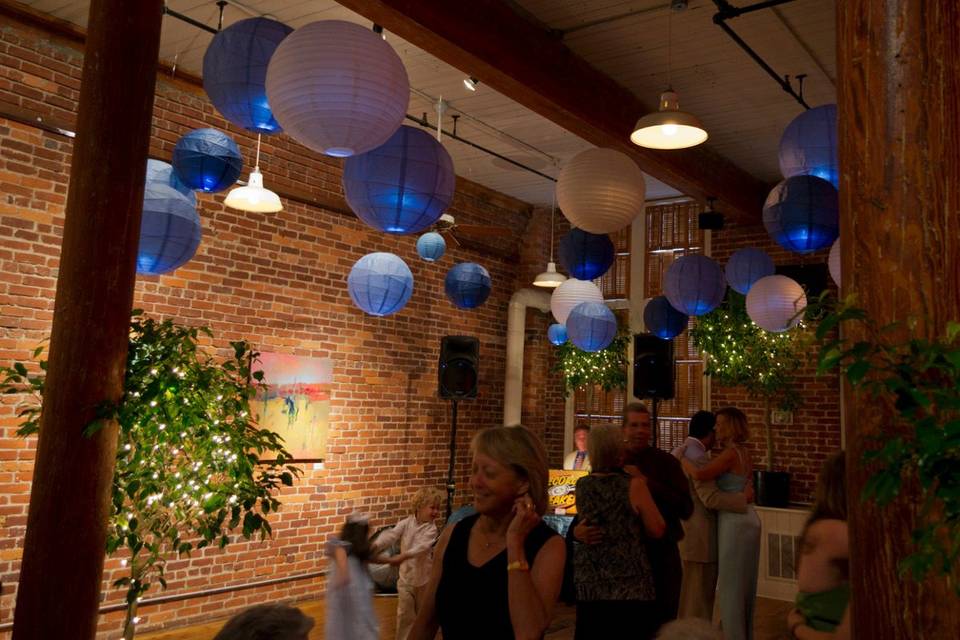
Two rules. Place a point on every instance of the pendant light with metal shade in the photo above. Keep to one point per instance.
(669, 128)
(550, 278)
(253, 196)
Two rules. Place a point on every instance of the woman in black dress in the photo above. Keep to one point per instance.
(614, 579)
(497, 574)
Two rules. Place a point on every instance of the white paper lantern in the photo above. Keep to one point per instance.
(337, 88)
(601, 190)
(571, 293)
(833, 261)
(775, 303)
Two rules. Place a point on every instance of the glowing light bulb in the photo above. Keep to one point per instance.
(668, 129)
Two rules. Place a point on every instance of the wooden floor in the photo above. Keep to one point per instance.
(769, 622)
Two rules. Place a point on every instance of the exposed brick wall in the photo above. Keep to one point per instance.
(799, 448)
(278, 280)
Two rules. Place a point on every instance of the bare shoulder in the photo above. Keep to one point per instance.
(830, 536)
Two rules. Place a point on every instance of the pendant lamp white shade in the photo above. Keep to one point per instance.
(570, 294)
(776, 303)
(337, 88)
(254, 197)
(833, 262)
(601, 190)
(550, 278)
(668, 128)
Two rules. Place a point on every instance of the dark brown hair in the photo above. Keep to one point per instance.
(830, 498)
(357, 533)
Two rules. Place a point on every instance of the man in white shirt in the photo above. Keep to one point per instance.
(578, 458)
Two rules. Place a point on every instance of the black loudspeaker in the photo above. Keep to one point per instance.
(652, 367)
(459, 362)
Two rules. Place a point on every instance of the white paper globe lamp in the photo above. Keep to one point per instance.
(601, 190)
(776, 303)
(571, 293)
(591, 326)
(380, 283)
(833, 262)
(337, 88)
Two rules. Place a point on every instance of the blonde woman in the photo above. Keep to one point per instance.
(497, 573)
(613, 578)
(738, 534)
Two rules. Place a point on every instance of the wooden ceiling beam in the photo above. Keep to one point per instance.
(490, 40)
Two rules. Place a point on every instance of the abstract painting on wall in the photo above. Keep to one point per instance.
(296, 403)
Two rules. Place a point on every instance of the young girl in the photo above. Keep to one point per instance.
(822, 574)
(349, 597)
(417, 534)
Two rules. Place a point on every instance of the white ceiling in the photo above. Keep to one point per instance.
(742, 107)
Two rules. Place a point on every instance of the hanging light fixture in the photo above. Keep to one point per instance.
(668, 128)
(470, 83)
(550, 278)
(254, 197)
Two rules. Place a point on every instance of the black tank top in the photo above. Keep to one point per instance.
(472, 602)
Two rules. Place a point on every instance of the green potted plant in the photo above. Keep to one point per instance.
(188, 468)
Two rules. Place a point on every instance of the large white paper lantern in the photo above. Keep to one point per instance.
(833, 261)
(571, 293)
(775, 303)
(337, 88)
(601, 190)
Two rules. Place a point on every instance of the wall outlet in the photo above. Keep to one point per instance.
(781, 417)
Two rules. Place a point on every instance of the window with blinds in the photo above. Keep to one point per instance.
(672, 232)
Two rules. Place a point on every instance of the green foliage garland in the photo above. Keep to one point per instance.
(607, 367)
(188, 467)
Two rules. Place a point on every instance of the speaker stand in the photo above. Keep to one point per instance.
(451, 485)
(654, 424)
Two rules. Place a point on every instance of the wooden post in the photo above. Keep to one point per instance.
(59, 589)
(899, 110)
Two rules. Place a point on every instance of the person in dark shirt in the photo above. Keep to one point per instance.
(671, 492)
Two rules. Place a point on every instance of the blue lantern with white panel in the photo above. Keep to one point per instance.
(586, 256)
(591, 326)
(662, 320)
(380, 283)
(207, 160)
(402, 186)
(467, 285)
(170, 230)
(808, 146)
(694, 285)
(557, 334)
(431, 246)
(746, 266)
(802, 214)
(235, 71)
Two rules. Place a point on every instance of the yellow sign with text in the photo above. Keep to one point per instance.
(562, 491)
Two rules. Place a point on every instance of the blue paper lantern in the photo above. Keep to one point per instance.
(808, 146)
(591, 326)
(694, 285)
(431, 246)
(746, 266)
(207, 160)
(403, 185)
(235, 71)
(467, 285)
(662, 320)
(586, 256)
(170, 230)
(557, 334)
(162, 173)
(802, 214)
(380, 283)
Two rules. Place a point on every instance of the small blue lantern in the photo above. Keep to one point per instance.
(403, 185)
(802, 214)
(431, 246)
(746, 266)
(170, 230)
(380, 283)
(207, 160)
(557, 334)
(162, 172)
(808, 146)
(586, 256)
(694, 285)
(235, 71)
(467, 285)
(662, 320)
(591, 326)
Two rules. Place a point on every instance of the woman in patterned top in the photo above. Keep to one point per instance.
(614, 581)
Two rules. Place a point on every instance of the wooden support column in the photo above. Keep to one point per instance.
(899, 110)
(59, 587)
